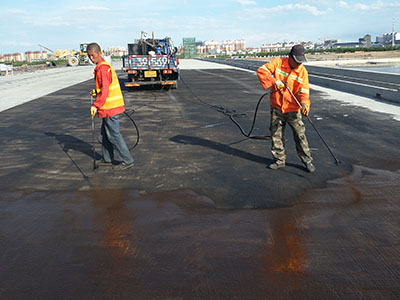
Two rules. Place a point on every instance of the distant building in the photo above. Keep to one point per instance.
(252, 50)
(388, 37)
(227, 47)
(379, 40)
(239, 45)
(18, 56)
(180, 49)
(274, 47)
(117, 51)
(189, 47)
(1, 58)
(365, 41)
(13, 57)
(330, 43)
(28, 56)
(35, 55)
(212, 46)
(347, 45)
(308, 45)
(201, 49)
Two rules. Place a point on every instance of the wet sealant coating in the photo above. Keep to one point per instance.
(176, 225)
(105, 244)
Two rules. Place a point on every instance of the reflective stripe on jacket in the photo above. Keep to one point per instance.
(296, 79)
(114, 103)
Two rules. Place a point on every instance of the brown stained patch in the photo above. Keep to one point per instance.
(118, 231)
(118, 221)
(118, 225)
(138, 246)
(286, 253)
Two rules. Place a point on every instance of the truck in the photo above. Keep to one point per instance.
(151, 61)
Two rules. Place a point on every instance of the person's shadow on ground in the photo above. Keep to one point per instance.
(192, 140)
(69, 142)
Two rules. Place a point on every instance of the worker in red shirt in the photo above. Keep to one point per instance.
(284, 109)
(109, 105)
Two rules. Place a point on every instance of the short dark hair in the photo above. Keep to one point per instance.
(93, 47)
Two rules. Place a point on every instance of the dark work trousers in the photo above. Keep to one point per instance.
(277, 127)
(113, 140)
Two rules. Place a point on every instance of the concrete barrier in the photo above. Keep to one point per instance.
(364, 83)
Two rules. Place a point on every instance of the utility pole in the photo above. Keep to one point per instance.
(393, 32)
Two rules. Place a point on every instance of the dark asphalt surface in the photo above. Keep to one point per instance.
(254, 65)
(199, 216)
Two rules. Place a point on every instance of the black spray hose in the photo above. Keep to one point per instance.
(232, 114)
(128, 113)
(258, 137)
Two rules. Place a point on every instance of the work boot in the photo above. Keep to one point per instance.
(276, 166)
(122, 166)
(103, 163)
(310, 167)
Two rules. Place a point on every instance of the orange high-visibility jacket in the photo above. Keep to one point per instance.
(114, 103)
(296, 79)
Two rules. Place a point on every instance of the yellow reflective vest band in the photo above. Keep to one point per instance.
(115, 98)
(112, 87)
(297, 78)
(279, 71)
(265, 68)
(305, 91)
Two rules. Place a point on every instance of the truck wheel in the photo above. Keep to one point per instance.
(73, 61)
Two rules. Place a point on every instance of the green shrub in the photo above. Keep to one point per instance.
(58, 62)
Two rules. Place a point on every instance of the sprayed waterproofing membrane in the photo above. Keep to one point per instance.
(171, 227)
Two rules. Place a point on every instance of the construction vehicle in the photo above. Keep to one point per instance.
(151, 61)
(81, 57)
(74, 57)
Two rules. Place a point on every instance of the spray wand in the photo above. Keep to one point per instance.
(337, 162)
(93, 138)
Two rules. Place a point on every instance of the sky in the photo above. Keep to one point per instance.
(65, 24)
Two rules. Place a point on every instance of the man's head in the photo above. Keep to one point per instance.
(296, 56)
(94, 52)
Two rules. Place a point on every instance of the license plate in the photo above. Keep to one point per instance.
(148, 74)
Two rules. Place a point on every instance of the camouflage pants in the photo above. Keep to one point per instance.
(277, 127)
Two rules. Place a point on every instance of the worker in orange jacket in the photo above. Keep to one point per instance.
(284, 109)
(109, 105)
